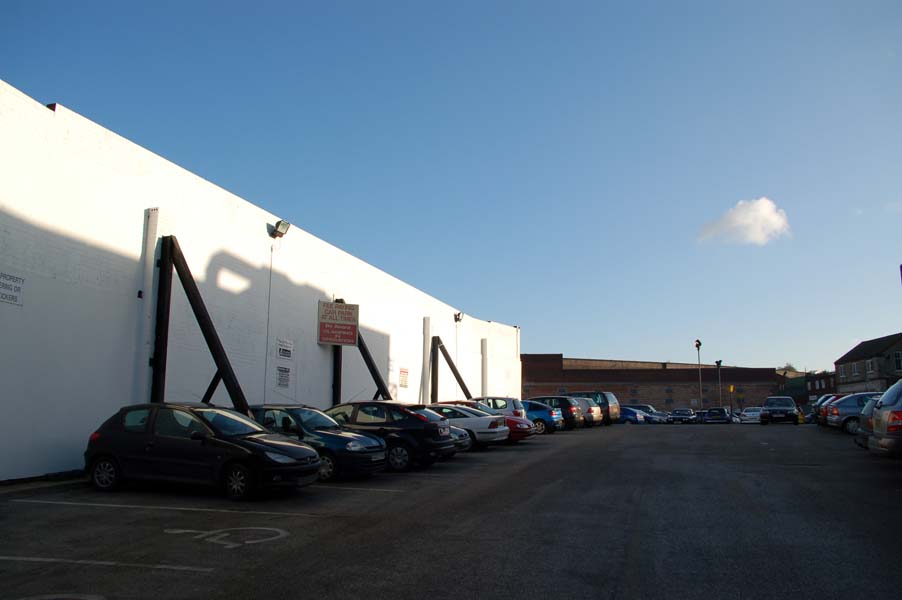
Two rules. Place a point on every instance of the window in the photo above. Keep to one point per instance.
(854, 369)
(371, 414)
(892, 396)
(809, 386)
(398, 414)
(175, 423)
(342, 414)
(842, 371)
(275, 420)
(869, 365)
(135, 421)
(899, 361)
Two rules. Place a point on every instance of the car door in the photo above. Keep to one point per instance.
(372, 419)
(175, 455)
(131, 443)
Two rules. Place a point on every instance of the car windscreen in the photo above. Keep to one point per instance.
(473, 411)
(893, 395)
(228, 422)
(430, 415)
(779, 403)
(313, 419)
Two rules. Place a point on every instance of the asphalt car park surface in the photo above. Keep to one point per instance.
(707, 511)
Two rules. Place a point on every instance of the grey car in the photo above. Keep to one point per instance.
(866, 423)
(845, 412)
(591, 411)
(887, 435)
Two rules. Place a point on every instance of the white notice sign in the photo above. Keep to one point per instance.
(11, 288)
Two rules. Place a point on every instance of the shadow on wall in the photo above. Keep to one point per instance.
(78, 336)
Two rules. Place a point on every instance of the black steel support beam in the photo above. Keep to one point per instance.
(161, 334)
(336, 375)
(382, 389)
(433, 369)
(211, 389)
(207, 329)
(457, 375)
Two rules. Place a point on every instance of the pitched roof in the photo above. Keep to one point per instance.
(869, 348)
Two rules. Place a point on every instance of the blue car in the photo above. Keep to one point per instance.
(631, 416)
(545, 418)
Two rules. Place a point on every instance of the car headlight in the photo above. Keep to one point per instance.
(354, 446)
(279, 458)
(522, 426)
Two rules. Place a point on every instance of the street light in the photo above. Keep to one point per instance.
(698, 349)
(720, 387)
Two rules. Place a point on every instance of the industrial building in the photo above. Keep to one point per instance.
(83, 216)
(665, 385)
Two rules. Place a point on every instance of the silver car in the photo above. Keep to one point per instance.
(591, 411)
(887, 430)
(750, 414)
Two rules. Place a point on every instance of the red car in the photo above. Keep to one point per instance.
(520, 428)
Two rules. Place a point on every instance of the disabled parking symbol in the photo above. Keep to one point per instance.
(234, 537)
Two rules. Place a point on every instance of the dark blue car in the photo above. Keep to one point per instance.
(631, 416)
(545, 418)
(341, 451)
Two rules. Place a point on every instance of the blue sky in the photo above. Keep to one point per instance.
(545, 164)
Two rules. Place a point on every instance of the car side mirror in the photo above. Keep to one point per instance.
(198, 436)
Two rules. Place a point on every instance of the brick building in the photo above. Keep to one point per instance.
(666, 385)
(871, 366)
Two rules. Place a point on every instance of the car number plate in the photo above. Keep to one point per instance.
(378, 456)
(777, 414)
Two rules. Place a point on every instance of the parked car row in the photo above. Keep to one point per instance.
(874, 418)
(294, 445)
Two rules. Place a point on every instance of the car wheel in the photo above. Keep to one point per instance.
(105, 474)
(239, 482)
(851, 426)
(399, 458)
(540, 426)
(328, 470)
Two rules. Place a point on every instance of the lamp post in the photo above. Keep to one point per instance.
(720, 386)
(698, 349)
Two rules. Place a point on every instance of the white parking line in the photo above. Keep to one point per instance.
(105, 563)
(185, 508)
(359, 489)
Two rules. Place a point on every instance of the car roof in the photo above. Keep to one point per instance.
(284, 405)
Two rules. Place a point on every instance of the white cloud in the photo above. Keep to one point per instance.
(749, 222)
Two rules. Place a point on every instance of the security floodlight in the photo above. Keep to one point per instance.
(458, 317)
(279, 229)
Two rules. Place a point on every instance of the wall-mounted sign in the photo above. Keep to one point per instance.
(11, 287)
(286, 349)
(403, 377)
(337, 323)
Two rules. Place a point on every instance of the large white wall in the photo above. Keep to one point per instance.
(81, 213)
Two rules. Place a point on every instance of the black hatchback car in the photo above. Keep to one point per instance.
(196, 443)
(421, 437)
(340, 451)
(717, 415)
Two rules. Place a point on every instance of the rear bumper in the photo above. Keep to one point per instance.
(834, 421)
(861, 438)
(436, 448)
(885, 444)
(488, 436)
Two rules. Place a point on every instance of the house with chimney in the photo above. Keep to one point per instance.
(871, 366)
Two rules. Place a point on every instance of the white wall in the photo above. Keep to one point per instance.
(75, 224)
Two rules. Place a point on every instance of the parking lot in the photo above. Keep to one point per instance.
(715, 511)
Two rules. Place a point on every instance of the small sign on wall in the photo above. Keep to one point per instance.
(283, 377)
(403, 377)
(286, 349)
(11, 288)
(337, 323)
